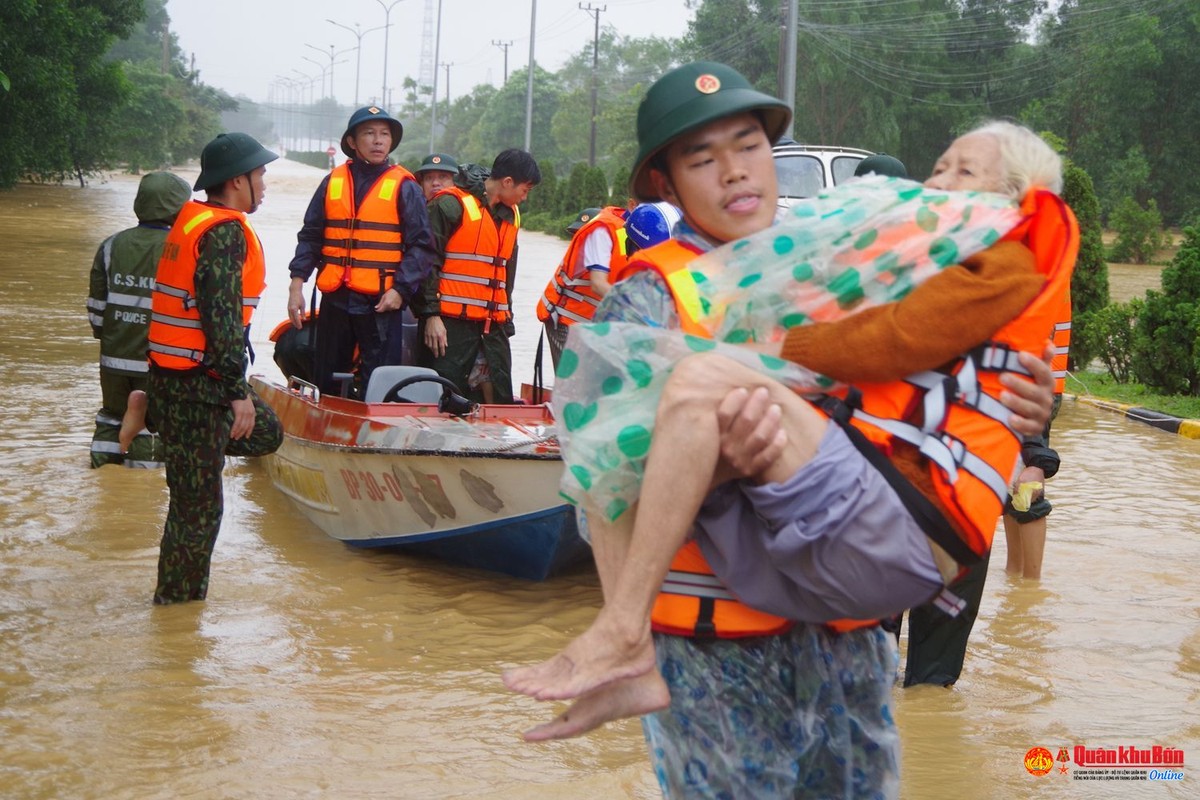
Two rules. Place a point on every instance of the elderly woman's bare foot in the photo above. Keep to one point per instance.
(134, 420)
(604, 653)
(631, 697)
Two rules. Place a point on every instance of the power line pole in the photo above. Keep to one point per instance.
(504, 46)
(447, 68)
(789, 62)
(595, 12)
(437, 47)
(529, 82)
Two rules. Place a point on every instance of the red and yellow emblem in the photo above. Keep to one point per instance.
(708, 83)
(1039, 761)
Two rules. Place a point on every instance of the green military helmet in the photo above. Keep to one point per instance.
(881, 164)
(583, 218)
(438, 162)
(228, 156)
(370, 114)
(689, 97)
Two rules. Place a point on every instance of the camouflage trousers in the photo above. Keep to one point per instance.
(196, 440)
(145, 452)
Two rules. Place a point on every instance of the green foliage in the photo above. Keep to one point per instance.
(63, 99)
(620, 188)
(1103, 385)
(4, 84)
(1167, 338)
(1089, 281)
(502, 123)
(595, 188)
(1122, 92)
(1108, 334)
(1139, 232)
(542, 200)
(96, 84)
(572, 198)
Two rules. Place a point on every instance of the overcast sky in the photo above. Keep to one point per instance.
(241, 46)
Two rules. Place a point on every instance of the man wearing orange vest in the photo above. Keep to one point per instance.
(581, 280)
(210, 277)
(750, 704)
(366, 233)
(465, 309)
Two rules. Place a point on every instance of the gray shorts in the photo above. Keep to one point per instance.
(832, 542)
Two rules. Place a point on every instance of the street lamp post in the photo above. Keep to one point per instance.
(387, 17)
(324, 69)
(311, 80)
(359, 34)
(332, 55)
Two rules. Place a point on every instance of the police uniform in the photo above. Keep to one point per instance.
(118, 305)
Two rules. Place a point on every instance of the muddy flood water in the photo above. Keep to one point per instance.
(317, 671)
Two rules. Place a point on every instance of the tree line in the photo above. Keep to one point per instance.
(98, 83)
(87, 85)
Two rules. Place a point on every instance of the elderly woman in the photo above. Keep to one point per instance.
(801, 537)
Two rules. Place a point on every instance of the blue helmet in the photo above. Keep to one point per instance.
(651, 223)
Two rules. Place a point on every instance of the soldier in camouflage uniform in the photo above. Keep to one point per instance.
(210, 276)
(118, 307)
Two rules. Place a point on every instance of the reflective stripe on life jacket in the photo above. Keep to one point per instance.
(954, 416)
(1062, 345)
(176, 337)
(569, 299)
(362, 246)
(474, 281)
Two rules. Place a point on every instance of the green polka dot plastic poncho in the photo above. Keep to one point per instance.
(858, 245)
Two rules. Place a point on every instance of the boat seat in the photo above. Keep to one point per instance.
(384, 378)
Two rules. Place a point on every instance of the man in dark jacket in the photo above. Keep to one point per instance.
(367, 232)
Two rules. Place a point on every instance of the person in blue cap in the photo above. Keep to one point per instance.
(366, 234)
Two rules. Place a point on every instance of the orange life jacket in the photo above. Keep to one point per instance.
(953, 416)
(474, 283)
(362, 246)
(572, 299)
(1062, 343)
(177, 340)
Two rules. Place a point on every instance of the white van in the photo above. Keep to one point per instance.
(805, 169)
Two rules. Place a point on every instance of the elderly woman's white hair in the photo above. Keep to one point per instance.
(1028, 160)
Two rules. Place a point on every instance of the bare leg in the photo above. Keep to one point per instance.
(630, 697)
(1013, 564)
(1033, 545)
(134, 420)
(680, 470)
(1026, 546)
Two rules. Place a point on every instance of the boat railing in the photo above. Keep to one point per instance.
(303, 388)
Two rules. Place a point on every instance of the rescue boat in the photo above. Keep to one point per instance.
(472, 485)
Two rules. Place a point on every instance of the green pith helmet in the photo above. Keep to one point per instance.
(438, 162)
(584, 217)
(881, 164)
(370, 114)
(689, 97)
(228, 156)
